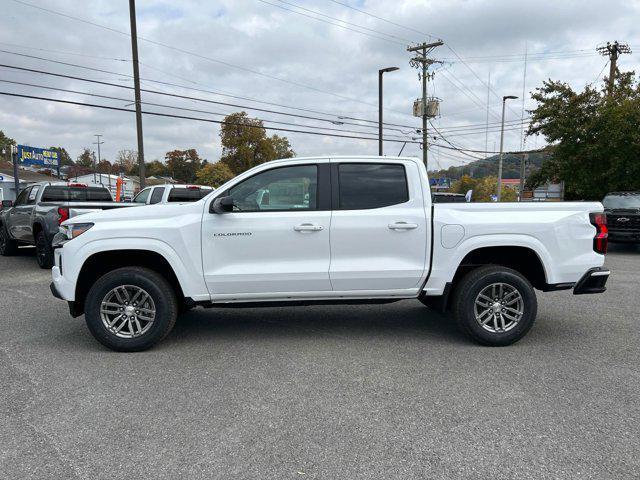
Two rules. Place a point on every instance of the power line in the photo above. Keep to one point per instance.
(184, 117)
(197, 55)
(381, 18)
(186, 97)
(90, 94)
(344, 21)
(222, 122)
(335, 115)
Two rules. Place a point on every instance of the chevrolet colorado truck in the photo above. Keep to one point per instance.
(40, 208)
(326, 230)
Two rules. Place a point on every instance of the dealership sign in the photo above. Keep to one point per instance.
(440, 182)
(38, 157)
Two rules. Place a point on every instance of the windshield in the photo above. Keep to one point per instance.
(621, 201)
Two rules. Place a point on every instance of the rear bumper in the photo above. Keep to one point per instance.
(593, 281)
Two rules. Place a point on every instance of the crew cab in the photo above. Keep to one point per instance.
(170, 193)
(40, 208)
(623, 216)
(330, 230)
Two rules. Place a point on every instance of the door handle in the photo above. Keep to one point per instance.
(402, 226)
(308, 227)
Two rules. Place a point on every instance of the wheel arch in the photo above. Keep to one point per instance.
(100, 263)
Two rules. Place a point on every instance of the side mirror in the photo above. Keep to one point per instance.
(7, 203)
(222, 205)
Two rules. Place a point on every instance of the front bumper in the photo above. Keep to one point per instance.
(593, 281)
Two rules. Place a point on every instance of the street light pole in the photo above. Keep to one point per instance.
(380, 73)
(504, 101)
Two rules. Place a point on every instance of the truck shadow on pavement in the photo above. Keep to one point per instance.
(403, 319)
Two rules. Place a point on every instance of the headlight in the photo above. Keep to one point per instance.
(75, 229)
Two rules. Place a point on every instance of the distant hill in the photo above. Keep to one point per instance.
(489, 166)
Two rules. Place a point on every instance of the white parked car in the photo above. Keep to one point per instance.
(326, 230)
(170, 193)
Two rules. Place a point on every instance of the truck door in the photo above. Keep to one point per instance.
(379, 229)
(20, 216)
(277, 238)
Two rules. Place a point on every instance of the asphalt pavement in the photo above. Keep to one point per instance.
(326, 392)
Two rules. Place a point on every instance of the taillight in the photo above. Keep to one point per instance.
(63, 214)
(193, 187)
(601, 240)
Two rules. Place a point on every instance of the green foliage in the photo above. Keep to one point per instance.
(596, 138)
(489, 166)
(156, 169)
(85, 159)
(214, 174)
(483, 188)
(5, 142)
(245, 143)
(183, 164)
(65, 158)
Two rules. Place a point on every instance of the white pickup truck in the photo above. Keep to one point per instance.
(326, 230)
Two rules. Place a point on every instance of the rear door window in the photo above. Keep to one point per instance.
(187, 194)
(156, 196)
(371, 185)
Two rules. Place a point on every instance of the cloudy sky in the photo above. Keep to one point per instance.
(317, 58)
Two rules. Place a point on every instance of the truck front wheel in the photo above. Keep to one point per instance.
(494, 305)
(130, 309)
(44, 252)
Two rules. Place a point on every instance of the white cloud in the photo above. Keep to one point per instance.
(297, 49)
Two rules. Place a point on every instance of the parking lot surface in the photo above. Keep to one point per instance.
(330, 392)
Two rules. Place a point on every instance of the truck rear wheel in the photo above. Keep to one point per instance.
(130, 309)
(44, 252)
(8, 246)
(494, 305)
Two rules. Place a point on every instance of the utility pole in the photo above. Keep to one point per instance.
(14, 158)
(136, 85)
(421, 61)
(98, 142)
(613, 51)
(504, 102)
(523, 163)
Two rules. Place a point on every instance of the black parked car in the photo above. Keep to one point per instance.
(623, 216)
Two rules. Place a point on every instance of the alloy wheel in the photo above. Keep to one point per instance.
(499, 307)
(127, 311)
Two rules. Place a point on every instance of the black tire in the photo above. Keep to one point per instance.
(161, 293)
(464, 305)
(44, 252)
(8, 246)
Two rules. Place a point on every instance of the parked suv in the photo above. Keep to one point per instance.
(623, 216)
(171, 194)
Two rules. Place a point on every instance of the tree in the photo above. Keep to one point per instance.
(595, 137)
(65, 158)
(156, 168)
(127, 160)
(104, 166)
(183, 164)
(245, 143)
(85, 159)
(214, 174)
(483, 189)
(5, 142)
